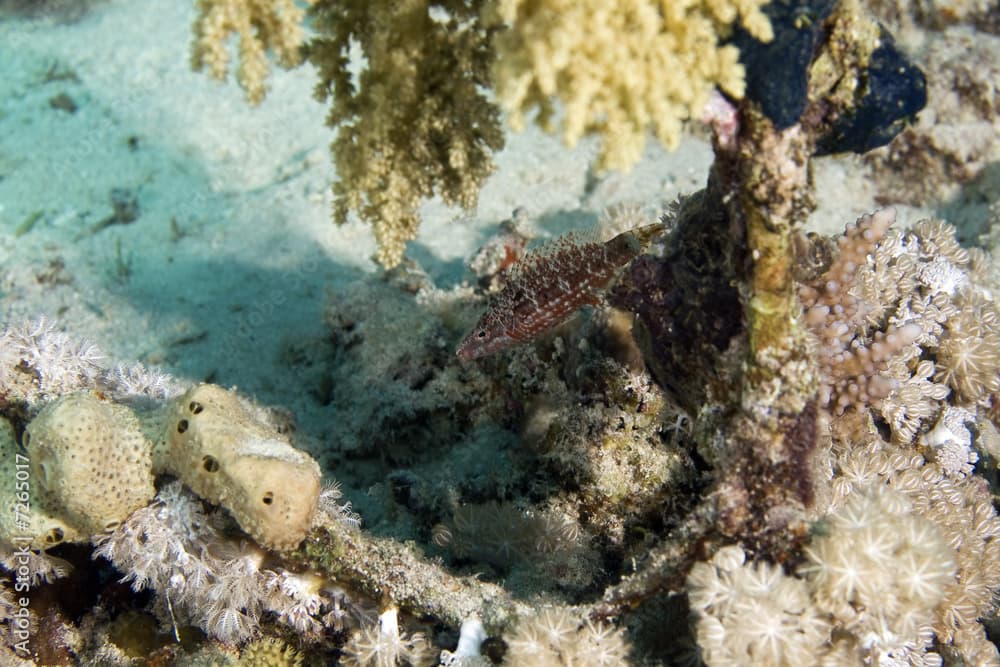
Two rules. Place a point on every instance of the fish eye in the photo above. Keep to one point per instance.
(481, 334)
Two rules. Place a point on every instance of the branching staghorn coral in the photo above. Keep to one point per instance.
(619, 68)
(415, 121)
(262, 26)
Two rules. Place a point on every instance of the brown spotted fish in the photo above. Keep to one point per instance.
(550, 284)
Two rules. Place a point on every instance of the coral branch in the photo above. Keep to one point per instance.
(665, 567)
(417, 122)
(619, 68)
(261, 25)
(385, 569)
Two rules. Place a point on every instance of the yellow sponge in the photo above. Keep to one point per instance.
(224, 450)
(22, 516)
(90, 462)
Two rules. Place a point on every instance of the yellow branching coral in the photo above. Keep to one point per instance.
(415, 122)
(619, 66)
(262, 25)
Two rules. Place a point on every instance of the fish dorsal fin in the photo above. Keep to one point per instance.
(536, 259)
(648, 233)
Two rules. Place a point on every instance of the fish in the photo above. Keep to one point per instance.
(547, 286)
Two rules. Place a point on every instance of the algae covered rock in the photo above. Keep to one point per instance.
(227, 453)
(90, 462)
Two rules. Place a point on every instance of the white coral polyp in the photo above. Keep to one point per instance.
(752, 613)
(869, 590)
(950, 442)
(174, 548)
(940, 275)
(887, 602)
